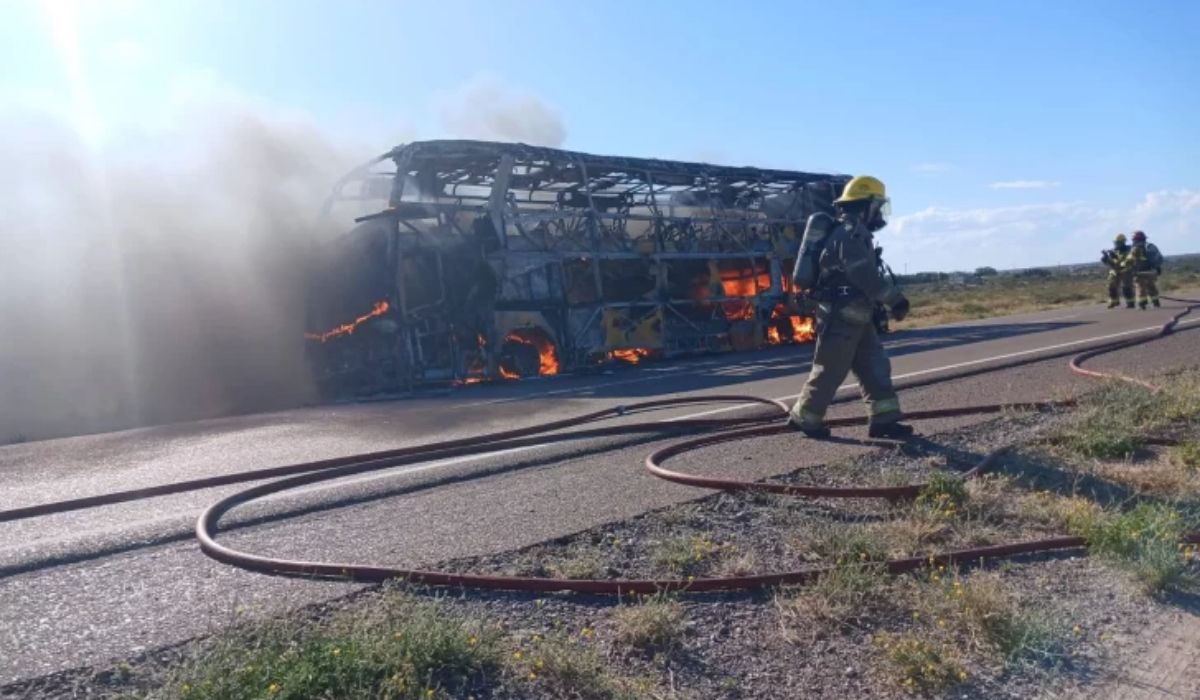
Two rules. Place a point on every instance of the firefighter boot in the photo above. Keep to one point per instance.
(1129, 304)
(1112, 304)
(816, 432)
(895, 431)
(1156, 303)
(1142, 304)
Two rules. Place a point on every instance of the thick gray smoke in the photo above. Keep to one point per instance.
(156, 288)
(486, 108)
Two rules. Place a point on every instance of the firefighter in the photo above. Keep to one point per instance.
(842, 272)
(1145, 264)
(1119, 275)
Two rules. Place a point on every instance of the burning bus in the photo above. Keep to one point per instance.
(493, 261)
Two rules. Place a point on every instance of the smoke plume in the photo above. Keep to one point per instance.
(159, 287)
(485, 108)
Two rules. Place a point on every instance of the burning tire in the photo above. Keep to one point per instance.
(528, 352)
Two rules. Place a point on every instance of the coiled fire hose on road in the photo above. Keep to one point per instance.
(298, 475)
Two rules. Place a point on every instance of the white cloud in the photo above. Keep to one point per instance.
(1025, 184)
(939, 238)
(932, 168)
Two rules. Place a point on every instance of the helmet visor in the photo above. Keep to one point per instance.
(882, 207)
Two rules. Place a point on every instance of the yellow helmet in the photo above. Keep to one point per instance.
(1120, 239)
(862, 187)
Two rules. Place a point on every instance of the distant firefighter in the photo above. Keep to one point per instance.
(1145, 263)
(1119, 274)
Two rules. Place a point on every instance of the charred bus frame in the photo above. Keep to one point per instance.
(496, 260)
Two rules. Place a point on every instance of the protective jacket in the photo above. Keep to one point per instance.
(851, 279)
(1145, 258)
(1117, 259)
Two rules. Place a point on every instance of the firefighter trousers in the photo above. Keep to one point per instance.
(844, 347)
(1120, 281)
(1147, 287)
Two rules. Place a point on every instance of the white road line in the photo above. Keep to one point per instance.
(957, 365)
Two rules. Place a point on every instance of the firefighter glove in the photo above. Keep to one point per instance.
(900, 308)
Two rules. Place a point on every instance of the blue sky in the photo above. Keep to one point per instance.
(1012, 134)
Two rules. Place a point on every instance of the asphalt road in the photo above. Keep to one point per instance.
(94, 586)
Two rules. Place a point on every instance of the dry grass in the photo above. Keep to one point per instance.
(956, 620)
(1043, 509)
(401, 647)
(1144, 541)
(651, 623)
(912, 535)
(846, 596)
(848, 592)
(1113, 422)
(986, 612)
(1161, 477)
(579, 563)
(686, 554)
(567, 666)
(920, 664)
(1186, 456)
(735, 563)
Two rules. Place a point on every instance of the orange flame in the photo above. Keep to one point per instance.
(742, 283)
(381, 308)
(547, 354)
(738, 310)
(476, 370)
(630, 355)
(804, 329)
(799, 329)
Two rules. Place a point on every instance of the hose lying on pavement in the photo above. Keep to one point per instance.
(206, 526)
(312, 472)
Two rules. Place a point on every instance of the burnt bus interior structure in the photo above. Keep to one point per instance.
(502, 261)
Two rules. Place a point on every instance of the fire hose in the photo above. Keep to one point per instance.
(728, 430)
